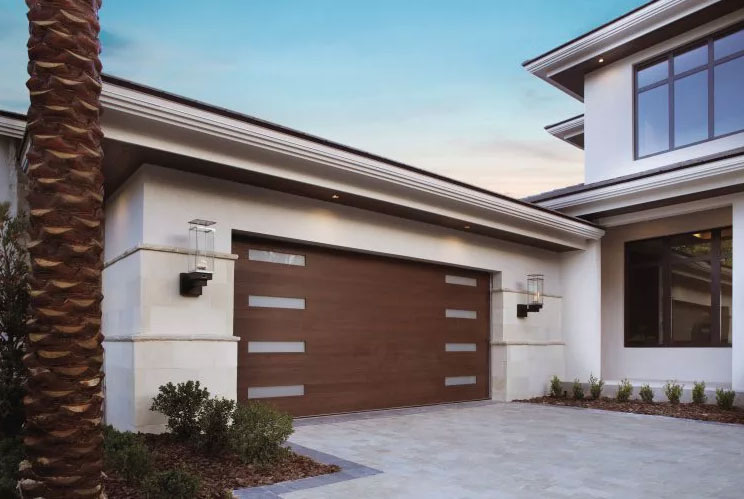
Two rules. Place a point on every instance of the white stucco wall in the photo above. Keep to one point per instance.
(164, 337)
(712, 365)
(608, 115)
(737, 328)
(8, 179)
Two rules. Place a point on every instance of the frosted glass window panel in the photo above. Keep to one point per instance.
(453, 313)
(653, 120)
(691, 109)
(691, 59)
(653, 73)
(728, 45)
(459, 380)
(276, 347)
(276, 257)
(460, 347)
(265, 392)
(276, 302)
(460, 280)
(728, 97)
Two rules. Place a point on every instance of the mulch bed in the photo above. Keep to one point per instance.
(686, 411)
(217, 473)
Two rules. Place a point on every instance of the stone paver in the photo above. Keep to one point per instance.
(523, 451)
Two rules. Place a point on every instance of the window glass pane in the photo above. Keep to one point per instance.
(691, 109)
(644, 294)
(726, 286)
(653, 74)
(691, 59)
(728, 44)
(692, 245)
(653, 120)
(691, 303)
(645, 252)
(728, 97)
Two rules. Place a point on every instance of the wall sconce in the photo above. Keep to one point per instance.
(534, 295)
(201, 257)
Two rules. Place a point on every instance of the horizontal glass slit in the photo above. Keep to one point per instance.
(276, 257)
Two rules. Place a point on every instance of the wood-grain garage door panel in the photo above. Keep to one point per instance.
(374, 330)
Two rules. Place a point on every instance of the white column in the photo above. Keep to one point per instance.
(582, 311)
(737, 308)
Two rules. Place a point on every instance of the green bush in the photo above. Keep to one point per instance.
(172, 484)
(646, 394)
(214, 423)
(698, 393)
(673, 391)
(126, 453)
(183, 405)
(259, 431)
(725, 398)
(578, 389)
(624, 390)
(556, 389)
(11, 454)
(595, 387)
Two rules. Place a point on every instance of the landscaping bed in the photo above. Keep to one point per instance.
(702, 412)
(216, 474)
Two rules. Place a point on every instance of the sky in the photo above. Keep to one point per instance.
(435, 84)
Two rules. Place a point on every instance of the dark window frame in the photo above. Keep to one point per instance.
(671, 78)
(666, 297)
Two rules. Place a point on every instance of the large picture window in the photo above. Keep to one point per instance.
(690, 95)
(678, 290)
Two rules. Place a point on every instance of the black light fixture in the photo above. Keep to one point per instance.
(534, 296)
(201, 258)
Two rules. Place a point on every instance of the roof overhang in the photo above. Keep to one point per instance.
(565, 66)
(12, 124)
(570, 131)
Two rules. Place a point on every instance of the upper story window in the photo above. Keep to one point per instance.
(691, 94)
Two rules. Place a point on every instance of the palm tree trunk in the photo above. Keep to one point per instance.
(64, 353)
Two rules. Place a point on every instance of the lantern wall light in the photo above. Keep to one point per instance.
(200, 257)
(534, 295)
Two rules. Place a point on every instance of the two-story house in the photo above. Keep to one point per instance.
(327, 279)
(663, 136)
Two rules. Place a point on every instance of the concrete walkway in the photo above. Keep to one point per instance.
(496, 450)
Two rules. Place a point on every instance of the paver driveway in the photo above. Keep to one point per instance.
(521, 450)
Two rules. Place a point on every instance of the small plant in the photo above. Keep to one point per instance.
(624, 390)
(11, 455)
(578, 390)
(673, 391)
(698, 393)
(214, 423)
(172, 484)
(183, 405)
(725, 398)
(258, 433)
(127, 454)
(646, 394)
(556, 389)
(595, 387)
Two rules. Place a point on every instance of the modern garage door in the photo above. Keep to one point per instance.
(325, 331)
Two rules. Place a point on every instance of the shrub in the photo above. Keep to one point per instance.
(258, 432)
(578, 390)
(11, 454)
(14, 316)
(183, 405)
(698, 393)
(725, 398)
(172, 484)
(126, 453)
(624, 390)
(673, 391)
(646, 394)
(556, 389)
(595, 387)
(214, 423)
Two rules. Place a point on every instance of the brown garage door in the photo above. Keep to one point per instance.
(325, 331)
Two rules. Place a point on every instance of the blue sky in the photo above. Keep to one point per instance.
(437, 84)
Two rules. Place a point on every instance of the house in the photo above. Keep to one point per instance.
(328, 279)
